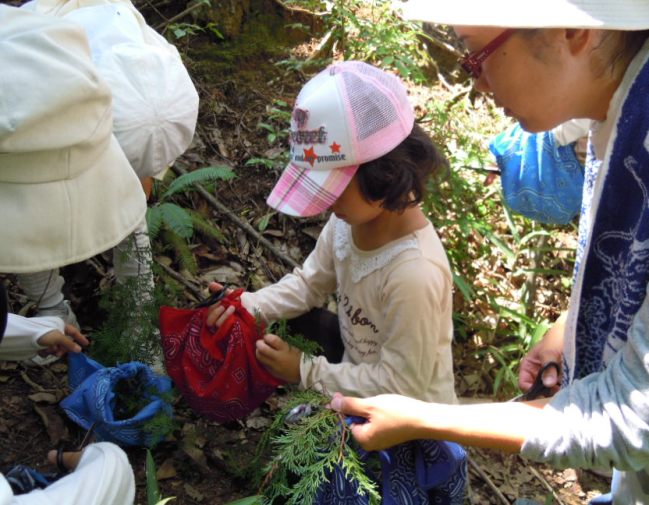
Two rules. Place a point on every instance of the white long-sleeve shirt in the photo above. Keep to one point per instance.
(102, 477)
(394, 310)
(20, 340)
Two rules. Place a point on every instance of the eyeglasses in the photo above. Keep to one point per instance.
(471, 63)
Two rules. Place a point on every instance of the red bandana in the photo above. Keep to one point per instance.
(217, 373)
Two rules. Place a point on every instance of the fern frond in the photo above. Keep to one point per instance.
(154, 221)
(181, 250)
(176, 219)
(207, 174)
(205, 226)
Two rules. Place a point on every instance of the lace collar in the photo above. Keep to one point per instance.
(364, 263)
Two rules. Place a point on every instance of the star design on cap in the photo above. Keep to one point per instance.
(310, 156)
(335, 148)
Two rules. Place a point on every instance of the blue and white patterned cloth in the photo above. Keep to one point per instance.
(541, 179)
(612, 264)
(93, 399)
(422, 472)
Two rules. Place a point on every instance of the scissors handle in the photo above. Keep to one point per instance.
(217, 296)
(538, 389)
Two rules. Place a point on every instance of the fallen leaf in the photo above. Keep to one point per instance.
(257, 423)
(166, 470)
(194, 493)
(43, 397)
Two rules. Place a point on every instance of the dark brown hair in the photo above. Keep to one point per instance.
(399, 177)
(619, 47)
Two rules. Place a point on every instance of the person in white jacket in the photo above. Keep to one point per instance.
(101, 473)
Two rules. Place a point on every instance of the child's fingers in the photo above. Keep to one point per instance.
(76, 335)
(218, 314)
(275, 342)
(70, 459)
(265, 353)
(214, 287)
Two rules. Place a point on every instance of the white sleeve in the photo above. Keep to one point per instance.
(571, 131)
(20, 340)
(303, 289)
(103, 477)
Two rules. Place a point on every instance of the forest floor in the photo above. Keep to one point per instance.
(237, 81)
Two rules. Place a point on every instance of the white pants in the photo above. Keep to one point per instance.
(131, 258)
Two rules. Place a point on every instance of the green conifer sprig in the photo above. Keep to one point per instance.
(307, 451)
(308, 347)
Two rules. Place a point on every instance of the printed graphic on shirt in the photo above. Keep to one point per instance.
(357, 331)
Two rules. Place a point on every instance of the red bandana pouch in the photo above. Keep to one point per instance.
(216, 371)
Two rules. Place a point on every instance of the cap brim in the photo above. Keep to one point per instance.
(303, 192)
(625, 15)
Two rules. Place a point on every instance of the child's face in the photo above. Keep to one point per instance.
(352, 208)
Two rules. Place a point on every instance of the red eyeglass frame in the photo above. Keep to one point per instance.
(471, 63)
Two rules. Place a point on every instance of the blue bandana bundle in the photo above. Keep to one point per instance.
(94, 400)
(540, 179)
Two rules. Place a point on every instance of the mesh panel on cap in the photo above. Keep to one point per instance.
(372, 110)
(381, 113)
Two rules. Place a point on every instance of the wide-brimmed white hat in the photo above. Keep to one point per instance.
(67, 191)
(155, 103)
(603, 14)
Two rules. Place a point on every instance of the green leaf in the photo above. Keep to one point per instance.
(207, 174)
(205, 226)
(463, 286)
(263, 224)
(177, 219)
(152, 489)
(154, 221)
(166, 500)
(250, 500)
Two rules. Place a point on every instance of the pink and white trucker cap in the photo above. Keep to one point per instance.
(347, 115)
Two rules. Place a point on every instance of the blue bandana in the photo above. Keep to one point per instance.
(423, 472)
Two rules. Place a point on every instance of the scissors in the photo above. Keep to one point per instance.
(538, 389)
(217, 296)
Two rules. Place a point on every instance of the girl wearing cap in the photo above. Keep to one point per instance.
(547, 62)
(355, 149)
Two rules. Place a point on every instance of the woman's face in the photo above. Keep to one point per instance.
(535, 78)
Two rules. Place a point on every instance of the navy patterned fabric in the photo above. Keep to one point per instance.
(422, 472)
(614, 254)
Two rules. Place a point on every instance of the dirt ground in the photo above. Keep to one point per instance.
(237, 81)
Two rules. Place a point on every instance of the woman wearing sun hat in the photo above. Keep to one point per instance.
(546, 62)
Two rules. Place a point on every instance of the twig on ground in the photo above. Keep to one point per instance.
(212, 200)
(481, 473)
(163, 26)
(196, 292)
(545, 483)
(33, 384)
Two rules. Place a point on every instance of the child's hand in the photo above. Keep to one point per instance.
(69, 460)
(59, 344)
(281, 360)
(217, 314)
